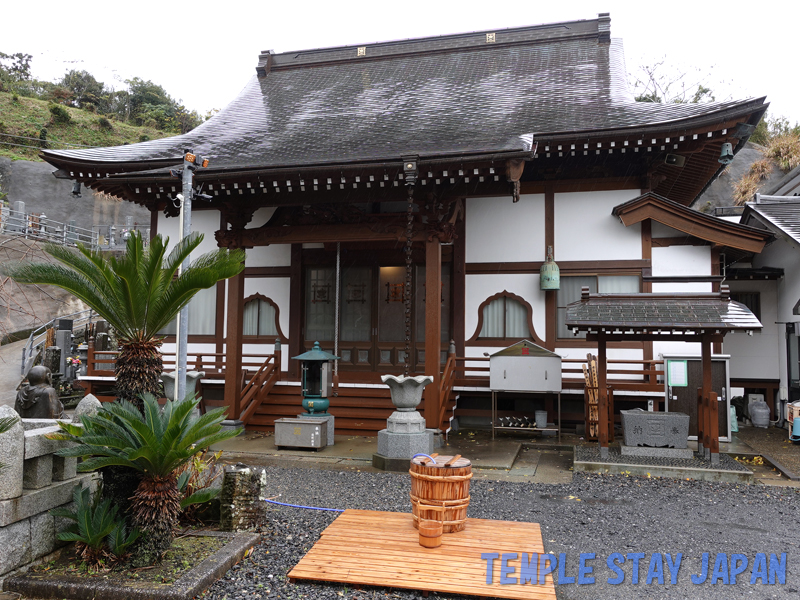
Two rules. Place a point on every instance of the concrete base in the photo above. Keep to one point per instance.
(725, 471)
(232, 424)
(660, 452)
(326, 416)
(405, 445)
(384, 463)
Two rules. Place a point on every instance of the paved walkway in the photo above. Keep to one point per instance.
(10, 356)
(506, 458)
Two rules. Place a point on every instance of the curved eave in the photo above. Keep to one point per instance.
(692, 222)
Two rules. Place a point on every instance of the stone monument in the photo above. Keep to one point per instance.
(405, 434)
(38, 399)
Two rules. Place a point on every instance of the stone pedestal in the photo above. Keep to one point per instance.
(101, 342)
(656, 452)
(327, 417)
(242, 505)
(64, 341)
(405, 434)
(52, 359)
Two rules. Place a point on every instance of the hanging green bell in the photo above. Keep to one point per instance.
(549, 275)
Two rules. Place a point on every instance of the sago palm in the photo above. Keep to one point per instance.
(138, 294)
(155, 443)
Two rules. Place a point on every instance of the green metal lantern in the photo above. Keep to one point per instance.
(549, 275)
(317, 379)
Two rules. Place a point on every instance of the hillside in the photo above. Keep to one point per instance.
(26, 124)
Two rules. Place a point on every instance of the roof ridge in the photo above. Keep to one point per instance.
(545, 32)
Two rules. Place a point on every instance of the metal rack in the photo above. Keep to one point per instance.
(513, 428)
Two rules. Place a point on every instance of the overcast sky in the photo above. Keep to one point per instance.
(204, 52)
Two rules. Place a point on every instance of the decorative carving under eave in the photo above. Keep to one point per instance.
(514, 169)
(238, 214)
(237, 238)
(439, 224)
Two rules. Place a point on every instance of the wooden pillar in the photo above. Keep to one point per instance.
(459, 290)
(710, 410)
(602, 396)
(433, 329)
(233, 346)
(154, 212)
(550, 296)
(295, 310)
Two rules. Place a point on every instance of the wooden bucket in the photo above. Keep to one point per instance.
(430, 533)
(440, 492)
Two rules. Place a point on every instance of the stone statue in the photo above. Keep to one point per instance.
(38, 399)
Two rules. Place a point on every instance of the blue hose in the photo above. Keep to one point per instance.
(425, 455)
(309, 507)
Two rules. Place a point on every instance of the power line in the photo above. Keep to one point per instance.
(48, 140)
(21, 145)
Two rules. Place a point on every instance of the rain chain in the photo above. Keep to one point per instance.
(407, 287)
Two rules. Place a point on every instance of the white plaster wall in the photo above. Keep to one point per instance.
(687, 348)
(499, 230)
(481, 287)
(611, 353)
(260, 217)
(681, 260)
(757, 356)
(278, 255)
(682, 288)
(585, 229)
(268, 349)
(193, 347)
(203, 221)
(659, 230)
(785, 254)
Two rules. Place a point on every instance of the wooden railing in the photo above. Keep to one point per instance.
(100, 363)
(447, 382)
(258, 388)
(259, 371)
(621, 373)
(648, 378)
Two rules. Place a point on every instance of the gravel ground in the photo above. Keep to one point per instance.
(595, 513)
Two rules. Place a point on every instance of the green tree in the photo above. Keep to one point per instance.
(14, 68)
(85, 89)
(155, 443)
(145, 97)
(138, 294)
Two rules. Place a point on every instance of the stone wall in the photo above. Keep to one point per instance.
(34, 184)
(33, 481)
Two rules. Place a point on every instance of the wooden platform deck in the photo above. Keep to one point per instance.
(364, 547)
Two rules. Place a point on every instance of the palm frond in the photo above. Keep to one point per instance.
(200, 496)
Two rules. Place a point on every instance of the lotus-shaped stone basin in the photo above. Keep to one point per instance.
(406, 391)
(168, 379)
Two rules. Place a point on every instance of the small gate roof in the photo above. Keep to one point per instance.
(632, 315)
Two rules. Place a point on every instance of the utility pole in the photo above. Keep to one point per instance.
(190, 164)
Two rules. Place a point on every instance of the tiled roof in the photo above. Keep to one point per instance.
(447, 96)
(777, 215)
(653, 313)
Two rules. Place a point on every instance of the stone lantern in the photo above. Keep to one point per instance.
(317, 379)
(316, 367)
